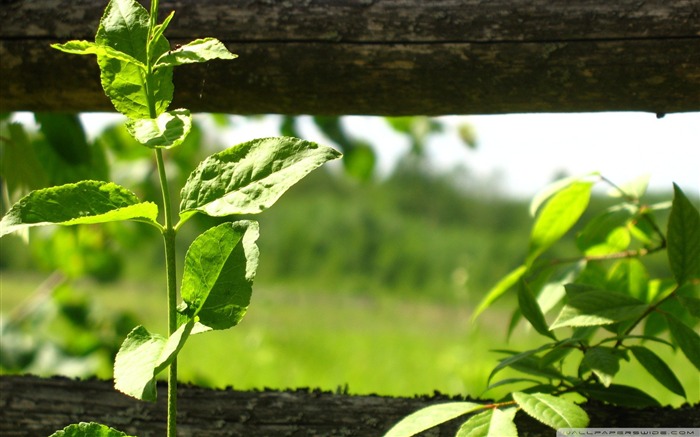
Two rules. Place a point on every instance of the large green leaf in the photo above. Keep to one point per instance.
(124, 27)
(218, 275)
(551, 410)
(604, 362)
(431, 416)
(250, 177)
(86, 202)
(550, 190)
(683, 238)
(499, 289)
(559, 215)
(686, 338)
(595, 308)
(168, 130)
(658, 369)
(490, 423)
(142, 356)
(619, 395)
(91, 48)
(531, 310)
(199, 50)
(90, 429)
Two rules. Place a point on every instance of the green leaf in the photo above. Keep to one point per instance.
(532, 311)
(683, 237)
(559, 215)
(250, 177)
(218, 275)
(490, 423)
(499, 289)
(619, 395)
(516, 357)
(594, 308)
(604, 362)
(551, 410)
(86, 202)
(91, 429)
(686, 338)
(168, 130)
(535, 366)
(658, 369)
(158, 31)
(199, 50)
(431, 416)
(634, 188)
(20, 165)
(629, 276)
(692, 304)
(555, 187)
(91, 48)
(124, 27)
(605, 233)
(142, 356)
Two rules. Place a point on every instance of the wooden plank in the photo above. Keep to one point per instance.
(36, 406)
(387, 57)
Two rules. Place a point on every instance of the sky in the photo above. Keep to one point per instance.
(525, 151)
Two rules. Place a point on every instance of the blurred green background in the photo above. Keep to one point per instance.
(366, 284)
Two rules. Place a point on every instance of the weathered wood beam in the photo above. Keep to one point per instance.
(389, 57)
(35, 406)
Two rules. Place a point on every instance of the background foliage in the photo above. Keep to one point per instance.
(376, 293)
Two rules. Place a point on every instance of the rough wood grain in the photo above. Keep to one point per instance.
(31, 406)
(389, 57)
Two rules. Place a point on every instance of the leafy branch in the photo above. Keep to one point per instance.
(136, 68)
(604, 290)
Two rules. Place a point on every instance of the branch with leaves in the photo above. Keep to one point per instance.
(606, 300)
(136, 69)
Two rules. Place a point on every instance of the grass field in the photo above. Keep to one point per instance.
(387, 345)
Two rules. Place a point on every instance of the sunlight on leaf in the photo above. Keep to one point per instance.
(125, 27)
(200, 50)
(491, 423)
(86, 202)
(250, 177)
(595, 308)
(559, 214)
(90, 429)
(91, 48)
(168, 130)
(142, 356)
(553, 411)
(431, 416)
(220, 266)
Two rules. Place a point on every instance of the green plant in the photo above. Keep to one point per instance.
(136, 65)
(605, 300)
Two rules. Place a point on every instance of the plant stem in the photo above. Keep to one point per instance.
(171, 284)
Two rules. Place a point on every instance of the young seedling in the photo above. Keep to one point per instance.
(605, 300)
(136, 68)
